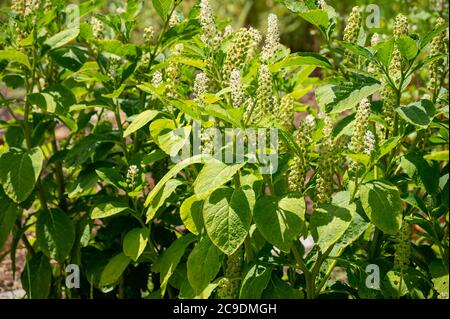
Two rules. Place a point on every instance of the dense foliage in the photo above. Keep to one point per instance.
(94, 112)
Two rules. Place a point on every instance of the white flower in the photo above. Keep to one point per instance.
(272, 38)
(149, 33)
(210, 34)
(30, 7)
(174, 20)
(228, 31)
(200, 86)
(157, 79)
(97, 28)
(237, 94)
(369, 143)
(375, 39)
(310, 121)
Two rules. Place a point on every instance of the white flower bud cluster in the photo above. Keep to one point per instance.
(369, 143)
(237, 92)
(210, 36)
(30, 7)
(173, 72)
(97, 28)
(114, 64)
(272, 39)
(174, 20)
(200, 87)
(149, 33)
(264, 99)
(157, 79)
(132, 173)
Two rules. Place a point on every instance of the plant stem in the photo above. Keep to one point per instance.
(310, 290)
(59, 174)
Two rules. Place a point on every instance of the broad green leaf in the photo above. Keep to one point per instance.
(127, 51)
(170, 139)
(279, 289)
(407, 47)
(37, 277)
(161, 197)
(384, 52)
(191, 214)
(135, 242)
(19, 172)
(111, 176)
(163, 8)
(173, 171)
(227, 216)
(141, 120)
(9, 211)
(437, 156)
(357, 226)
(55, 233)
(212, 176)
(356, 49)
(16, 56)
(114, 269)
(171, 258)
(255, 281)
(107, 209)
(428, 171)
(62, 38)
(330, 221)
(203, 264)
(419, 113)
(386, 146)
(316, 17)
(301, 59)
(333, 98)
(280, 221)
(382, 203)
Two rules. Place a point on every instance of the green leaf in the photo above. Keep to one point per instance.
(227, 216)
(173, 171)
(19, 172)
(62, 38)
(407, 47)
(170, 139)
(37, 277)
(141, 120)
(280, 221)
(415, 165)
(127, 51)
(255, 281)
(213, 175)
(161, 197)
(108, 209)
(384, 52)
(114, 269)
(357, 49)
(191, 214)
(357, 226)
(163, 8)
(9, 211)
(301, 59)
(278, 289)
(171, 258)
(382, 203)
(55, 234)
(317, 17)
(329, 223)
(203, 264)
(11, 55)
(111, 176)
(437, 156)
(335, 98)
(386, 146)
(135, 242)
(419, 113)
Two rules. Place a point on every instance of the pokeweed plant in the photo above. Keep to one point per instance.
(116, 163)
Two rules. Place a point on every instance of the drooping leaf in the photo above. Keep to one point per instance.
(109, 208)
(19, 171)
(227, 216)
(9, 211)
(213, 175)
(62, 38)
(16, 56)
(191, 214)
(135, 242)
(280, 221)
(55, 233)
(141, 120)
(114, 269)
(163, 7)
(171, 258)
(382, 203)
(203, 264)
(161, 197)
(37, 277)
(419, 113)
(255, 281)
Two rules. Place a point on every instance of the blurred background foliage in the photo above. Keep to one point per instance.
(297, 34)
